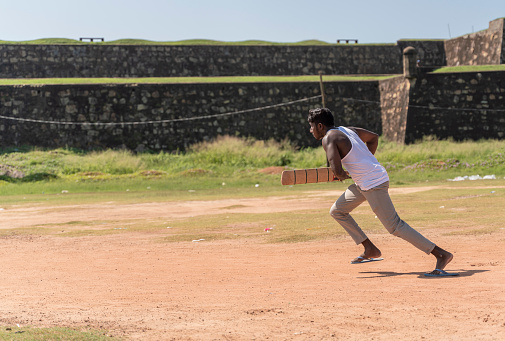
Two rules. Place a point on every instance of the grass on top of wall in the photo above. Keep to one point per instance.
(470, 68)
(65, 41)
(190, 80)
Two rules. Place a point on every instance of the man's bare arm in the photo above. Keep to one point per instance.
(371, 139)
(333, 156)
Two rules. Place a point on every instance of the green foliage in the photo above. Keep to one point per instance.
(471, 68)
(109, 162)
(53, 334)
(44, 41)
(442, 158)
(237, 162)
(189, 80)
(240, 153)
(51, 41)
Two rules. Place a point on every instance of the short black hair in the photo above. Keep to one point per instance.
(321, 115)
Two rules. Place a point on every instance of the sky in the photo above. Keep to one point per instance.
(369, 21)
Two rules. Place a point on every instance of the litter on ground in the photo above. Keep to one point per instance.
(473, 177)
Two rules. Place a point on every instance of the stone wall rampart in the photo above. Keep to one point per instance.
(61, 61)
(183, 103)
(459, 105)
(462, 106)
(431, 53)
(481, 48)
(452, 105)
(394, 106)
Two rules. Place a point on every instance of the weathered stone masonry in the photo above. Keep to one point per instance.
(480, 48)
(53, 61)
(462, 106)
(46, 61)
(404, 108)
(154, 102)
(471, 99)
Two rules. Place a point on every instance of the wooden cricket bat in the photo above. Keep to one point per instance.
(306, 176)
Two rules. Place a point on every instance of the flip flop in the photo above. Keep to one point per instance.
(360, 259)
(441, 273)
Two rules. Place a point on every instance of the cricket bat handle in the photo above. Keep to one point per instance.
(306, 176)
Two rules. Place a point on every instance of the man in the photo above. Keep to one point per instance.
(354, 149)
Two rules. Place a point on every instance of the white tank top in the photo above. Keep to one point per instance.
(361, 164)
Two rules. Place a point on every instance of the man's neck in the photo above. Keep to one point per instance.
(328, 129)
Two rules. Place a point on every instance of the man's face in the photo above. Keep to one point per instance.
(317, 130)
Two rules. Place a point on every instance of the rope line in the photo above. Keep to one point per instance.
(232, 113)
(458, 109)
(162, 121)
(428, 107)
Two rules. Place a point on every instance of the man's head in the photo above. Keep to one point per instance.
(320, 120)
(321, 115)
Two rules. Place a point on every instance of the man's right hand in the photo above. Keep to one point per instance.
(342, 178)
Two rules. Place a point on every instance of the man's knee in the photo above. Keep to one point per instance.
(336, 213)
(395, 226)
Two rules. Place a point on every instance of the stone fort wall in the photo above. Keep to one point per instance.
(77, 115)
(55, 61)
(99, 60)
(480, 48)
(462, 106)
(101, 116)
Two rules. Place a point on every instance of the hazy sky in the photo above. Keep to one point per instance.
(370, 21)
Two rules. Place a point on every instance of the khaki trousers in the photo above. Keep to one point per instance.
(381, 204)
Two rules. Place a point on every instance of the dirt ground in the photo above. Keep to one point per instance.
(142, 289)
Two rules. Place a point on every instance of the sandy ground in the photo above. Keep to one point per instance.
(142, 289)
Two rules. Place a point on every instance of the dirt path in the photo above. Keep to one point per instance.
(142, 289)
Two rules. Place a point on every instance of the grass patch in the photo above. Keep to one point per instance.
(53, 334)
(436, 160)
(65, 41)
(464, 209)
(470, 68)
(474, 232)
(459, 211)
(224, 166)
(87, 228)
(279, 227)
(191, 80)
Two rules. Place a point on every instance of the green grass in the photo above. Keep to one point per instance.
(459, 211)
(416, 39)
(45, 41)
(189, 80)
(282, 227)
(231, 168)
(52, 334)
(227, 164)
(437, 160)
(469, 208)
(470, 68)
(65, 41)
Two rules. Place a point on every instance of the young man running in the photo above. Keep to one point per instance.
(354, 149)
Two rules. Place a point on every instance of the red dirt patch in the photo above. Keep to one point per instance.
(143, 289)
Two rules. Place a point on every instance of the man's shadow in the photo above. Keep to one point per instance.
(378, 274)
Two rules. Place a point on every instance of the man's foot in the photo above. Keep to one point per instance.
(443, 257)
(372, 253)
(362, 259)
(441, 273)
